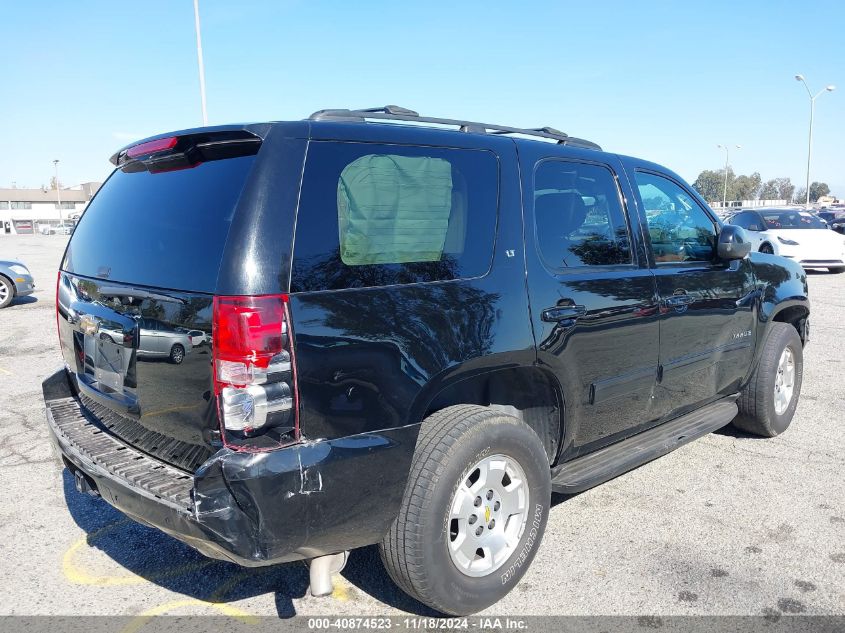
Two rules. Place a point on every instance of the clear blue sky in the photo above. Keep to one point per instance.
(665, 81)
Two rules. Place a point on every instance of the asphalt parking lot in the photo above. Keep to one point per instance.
(726, 525)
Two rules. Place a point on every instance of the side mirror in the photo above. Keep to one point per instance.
(733, 243)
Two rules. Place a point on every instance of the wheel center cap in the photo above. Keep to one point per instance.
(487, 514)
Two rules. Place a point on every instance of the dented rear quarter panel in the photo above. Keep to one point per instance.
(307, 500)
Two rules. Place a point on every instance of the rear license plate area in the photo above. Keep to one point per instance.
(108, 361)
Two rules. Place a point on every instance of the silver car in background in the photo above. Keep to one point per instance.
(162, 340)
(15, 281)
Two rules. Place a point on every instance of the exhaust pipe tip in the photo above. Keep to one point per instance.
(320, 572)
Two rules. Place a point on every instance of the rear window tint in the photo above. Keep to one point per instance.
(374, 215)
(166, 230)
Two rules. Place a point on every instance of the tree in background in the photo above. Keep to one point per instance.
(817, 190)
(745, 187)
(710, 184)
(785, 188)
(769, 190)
(800, 196)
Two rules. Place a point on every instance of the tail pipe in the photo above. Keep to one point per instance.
(320, 571)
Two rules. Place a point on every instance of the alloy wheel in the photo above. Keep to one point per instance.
(488, 514)
(784, 381)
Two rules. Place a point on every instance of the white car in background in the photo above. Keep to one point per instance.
(198, 337)
(56, 229)
(795, 234)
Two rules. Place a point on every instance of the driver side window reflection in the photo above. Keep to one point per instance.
(680, 230)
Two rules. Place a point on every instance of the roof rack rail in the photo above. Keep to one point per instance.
(398, 113)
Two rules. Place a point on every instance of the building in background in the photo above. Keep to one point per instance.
(747, 204)
(28, 211)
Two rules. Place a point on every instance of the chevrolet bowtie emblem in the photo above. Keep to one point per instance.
(89, 325)
(487, 514)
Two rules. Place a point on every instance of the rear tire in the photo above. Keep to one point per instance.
(7, 292)
(177, 354)
(765, 407)
(446, 549)
(836, 270)
(767, 248)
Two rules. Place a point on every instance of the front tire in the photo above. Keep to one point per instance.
(768, 402)
(767, 248)
(177, 354)
(474, 510)
(7, 292)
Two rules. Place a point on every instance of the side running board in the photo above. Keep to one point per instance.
(596, 468)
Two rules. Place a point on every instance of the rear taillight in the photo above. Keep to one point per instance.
(58, 326)
(254, 372)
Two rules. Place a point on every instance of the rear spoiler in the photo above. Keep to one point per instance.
(189, 148)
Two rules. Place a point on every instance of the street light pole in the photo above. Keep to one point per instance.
(199, 60)
(813, 98)
(58, 191)
(727, 157)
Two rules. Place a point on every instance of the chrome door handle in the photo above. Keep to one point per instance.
(563, 313)
(678, 300)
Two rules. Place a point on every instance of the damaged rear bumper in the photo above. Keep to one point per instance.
(254, 509)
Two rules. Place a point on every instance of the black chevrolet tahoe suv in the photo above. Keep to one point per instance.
(414, 331)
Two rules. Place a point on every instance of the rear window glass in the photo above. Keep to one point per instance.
(165, 230)
(792, 220)
(374, 215)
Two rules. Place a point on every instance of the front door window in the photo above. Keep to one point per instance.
(679, 228)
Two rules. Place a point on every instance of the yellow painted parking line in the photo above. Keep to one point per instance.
(76, 574)
(219, 594)
(340, 592)
(5, 371)
(141, 620)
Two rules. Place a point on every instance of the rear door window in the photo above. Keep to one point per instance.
(578, 216)
(376, 215)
